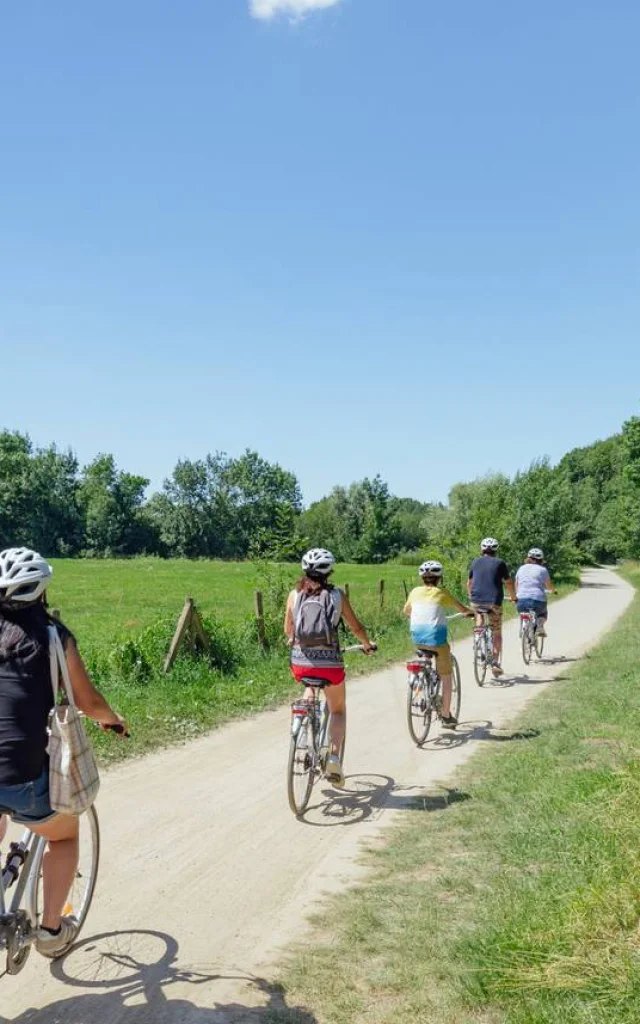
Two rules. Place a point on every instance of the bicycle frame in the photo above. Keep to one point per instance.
(484, 635)
(316, 712)
(423, 667)
(18, 920)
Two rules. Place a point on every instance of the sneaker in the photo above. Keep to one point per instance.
(496, 669)
(449, 721)
(541, 631)
(55, 945)
(334, 771)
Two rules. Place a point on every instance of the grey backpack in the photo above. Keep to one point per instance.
(314, 620)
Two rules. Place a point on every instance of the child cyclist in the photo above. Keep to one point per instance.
(426, 608)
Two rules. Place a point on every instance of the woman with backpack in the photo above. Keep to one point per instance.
(314, 611)
(26, 700)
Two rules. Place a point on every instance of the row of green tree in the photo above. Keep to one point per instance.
(585, 508)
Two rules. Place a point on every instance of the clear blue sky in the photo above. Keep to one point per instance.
(392, 236)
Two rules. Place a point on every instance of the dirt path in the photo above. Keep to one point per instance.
(203, 873)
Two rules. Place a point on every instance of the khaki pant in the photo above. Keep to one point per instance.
(443, 658)
(494, 611)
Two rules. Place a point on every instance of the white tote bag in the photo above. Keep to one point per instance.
(74, 780)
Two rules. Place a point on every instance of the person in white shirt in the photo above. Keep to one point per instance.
(533, 583)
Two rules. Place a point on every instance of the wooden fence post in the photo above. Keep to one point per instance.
(260, 618)
(346, 591)
(406, 590)
(182, 628)
(381, 592)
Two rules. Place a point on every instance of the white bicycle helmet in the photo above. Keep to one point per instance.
(318, 560)
(430, 568)
(24, 575)
(536, 553)
(489, 544)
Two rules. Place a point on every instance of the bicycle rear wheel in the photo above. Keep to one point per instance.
(526, 645)
(419, 710)
(539, 644)
(456, 693)
(480, 660)
(300, 767)
(84, 884)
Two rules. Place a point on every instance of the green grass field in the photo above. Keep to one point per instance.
(102, 599)
(515, 897)
(124, 612)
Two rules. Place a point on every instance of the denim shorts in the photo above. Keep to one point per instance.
(28, 802)
(529, 604)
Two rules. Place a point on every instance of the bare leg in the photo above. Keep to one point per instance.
(446, 695)
(3, 826)
(336, 699)
(59, 865)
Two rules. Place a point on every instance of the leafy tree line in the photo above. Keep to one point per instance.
(585, 508)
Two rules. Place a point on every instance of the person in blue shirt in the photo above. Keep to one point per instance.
(488, 576)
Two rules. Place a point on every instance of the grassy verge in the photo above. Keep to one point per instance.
(514, 898)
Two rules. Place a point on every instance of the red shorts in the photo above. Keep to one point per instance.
(334, 676)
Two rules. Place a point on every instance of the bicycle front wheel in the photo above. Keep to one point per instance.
(480, 660)
(419, 710)
(84, 882)
(300, 768)
(456, 692)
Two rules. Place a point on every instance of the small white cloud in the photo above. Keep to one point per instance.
(265, 9)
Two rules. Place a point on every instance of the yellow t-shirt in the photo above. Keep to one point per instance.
(428, 619)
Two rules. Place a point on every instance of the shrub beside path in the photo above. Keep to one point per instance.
(205, 873)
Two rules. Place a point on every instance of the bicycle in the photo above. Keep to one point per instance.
(424, 696)
(482, 648)
(309, 744)
(530, 635)
(20, 920)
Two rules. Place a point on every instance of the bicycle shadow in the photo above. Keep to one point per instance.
(354, 805)
(526, 680)
(362, 797)
(130, 990)
(351, 806)
(483, 731)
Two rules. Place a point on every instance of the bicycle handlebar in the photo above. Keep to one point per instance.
(359, 647)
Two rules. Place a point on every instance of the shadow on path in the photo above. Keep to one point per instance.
(130, 982)
(366, 794)
(483, 731)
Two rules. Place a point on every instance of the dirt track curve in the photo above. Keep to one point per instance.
(204, 872)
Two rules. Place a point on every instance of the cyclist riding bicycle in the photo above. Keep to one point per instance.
(26, 699)
(533, 583)
(488, 575)
(429, 631)
(314, 611)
